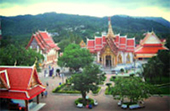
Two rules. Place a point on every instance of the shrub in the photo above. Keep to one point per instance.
(80, 100)
(112, 78)
(58, 88)
(108, 92)
(122, 70)
(97, 90)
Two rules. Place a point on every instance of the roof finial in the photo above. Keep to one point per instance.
(110, 31)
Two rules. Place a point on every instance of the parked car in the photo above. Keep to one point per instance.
(124, 106)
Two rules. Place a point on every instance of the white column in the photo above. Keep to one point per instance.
(37, 48)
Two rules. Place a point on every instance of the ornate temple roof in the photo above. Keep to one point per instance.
(18, 82)
(122, 43)
(44, 41)
(150, 44)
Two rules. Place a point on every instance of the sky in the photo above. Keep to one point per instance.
(98, 8)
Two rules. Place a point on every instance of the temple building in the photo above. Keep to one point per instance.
(112, 49)
(42, 42)
(19, 84)
(149, 46)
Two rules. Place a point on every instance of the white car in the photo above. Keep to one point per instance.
(95, 102)
(79, 105)
(124, 106)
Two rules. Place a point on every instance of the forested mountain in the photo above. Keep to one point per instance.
(62, 26)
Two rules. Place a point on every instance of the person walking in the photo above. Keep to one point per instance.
(45, 93)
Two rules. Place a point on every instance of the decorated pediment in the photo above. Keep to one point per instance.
(152, 39)
(4, 82)
(33, 81)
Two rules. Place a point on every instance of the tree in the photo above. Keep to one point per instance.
(73, 38)
(87, 80)
(164, 56)
(19, 55)
(132, 88)
(75, 57)
(153, 68)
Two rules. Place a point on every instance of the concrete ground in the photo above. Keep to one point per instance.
(65, 102)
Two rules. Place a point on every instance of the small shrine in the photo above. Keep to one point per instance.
(21, 84)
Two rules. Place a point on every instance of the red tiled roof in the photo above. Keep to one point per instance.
(122, 40)
(98, 43)
(18, 80)
(149, 50)
(44, 40)
(117, 40)
(122, 43)
(152, 45)
(91, 45)
(149, 47)
(130, 45)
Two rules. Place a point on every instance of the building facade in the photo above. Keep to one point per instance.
(149, 46)
(42, 42)
(111, 49)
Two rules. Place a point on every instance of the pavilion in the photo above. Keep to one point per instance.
(20, 83)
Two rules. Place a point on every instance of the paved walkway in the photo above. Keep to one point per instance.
(65, 102)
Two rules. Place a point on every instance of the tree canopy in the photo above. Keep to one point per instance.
(11, 54)
(87, 80)
(75, 57)
(132, 88)
(71, 39)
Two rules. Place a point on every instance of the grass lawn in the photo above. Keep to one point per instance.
(163, 85)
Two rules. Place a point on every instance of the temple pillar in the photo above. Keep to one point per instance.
(26, 105)
(37, 99)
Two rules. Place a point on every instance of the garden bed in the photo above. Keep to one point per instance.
(65, 88)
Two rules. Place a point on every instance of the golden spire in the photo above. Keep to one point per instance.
(110, 31)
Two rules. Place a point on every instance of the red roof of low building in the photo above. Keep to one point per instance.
(150, 50)
(18, 82)
(151, 44)
(44, 41)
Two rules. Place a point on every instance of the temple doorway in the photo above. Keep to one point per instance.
(108, 61)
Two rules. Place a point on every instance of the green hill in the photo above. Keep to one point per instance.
(62, 25)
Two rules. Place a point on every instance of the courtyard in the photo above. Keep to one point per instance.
(65, 102)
